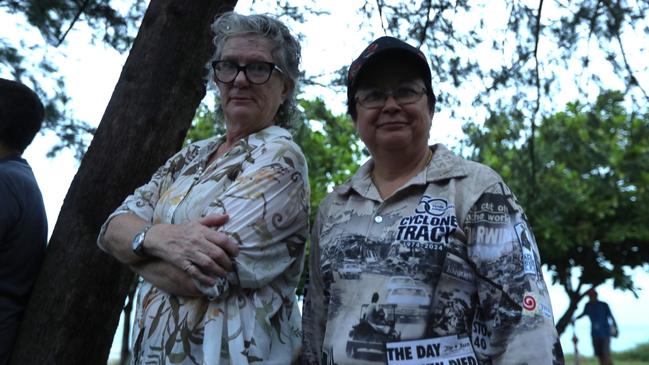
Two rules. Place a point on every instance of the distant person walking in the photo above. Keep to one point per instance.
(23, 224)
(602, 327)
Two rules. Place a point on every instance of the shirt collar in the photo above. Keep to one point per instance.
(443, 166)
(248, 143)
(13, 157)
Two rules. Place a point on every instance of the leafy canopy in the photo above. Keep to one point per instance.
(518, 55)
(589, 206)
(28, 61)
(522, 54)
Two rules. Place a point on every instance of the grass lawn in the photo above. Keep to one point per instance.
(570, 360)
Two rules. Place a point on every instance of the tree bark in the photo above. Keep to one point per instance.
(79, 294)
(567, 316)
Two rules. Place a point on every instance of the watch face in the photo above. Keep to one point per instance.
(138, 246)
(138, 242)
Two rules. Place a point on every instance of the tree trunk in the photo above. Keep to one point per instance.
(79, 294)
(575, 298)
(567, 316)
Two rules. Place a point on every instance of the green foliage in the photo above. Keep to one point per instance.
(587, 197)
(638, 353)
(205, 124)
(332, 152)
(570, 359)
(594, 173)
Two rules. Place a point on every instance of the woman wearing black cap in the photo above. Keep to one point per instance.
(442, 240)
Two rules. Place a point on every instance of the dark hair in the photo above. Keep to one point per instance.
(286, 52)
(375, 297)
(21, 114)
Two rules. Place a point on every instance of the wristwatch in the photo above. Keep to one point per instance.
(137, 245)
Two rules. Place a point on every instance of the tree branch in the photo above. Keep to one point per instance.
(379, 7)
(618, 26)
(537, 107)
(82, 8)
(593, 19)
(422, 35)
(537, 36)
(633, 80)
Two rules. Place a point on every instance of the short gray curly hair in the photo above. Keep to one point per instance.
(286, 51)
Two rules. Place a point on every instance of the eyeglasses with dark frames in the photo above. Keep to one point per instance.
(376, 98)
(257, 73)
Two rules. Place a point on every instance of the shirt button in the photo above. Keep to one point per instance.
(378, 219)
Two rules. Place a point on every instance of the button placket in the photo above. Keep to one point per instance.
(378, 217)
(195, 179)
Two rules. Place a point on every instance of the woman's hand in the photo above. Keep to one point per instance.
(167, 277)
(194, 247)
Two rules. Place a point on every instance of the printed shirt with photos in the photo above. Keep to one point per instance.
(251, 317)
(452, 260)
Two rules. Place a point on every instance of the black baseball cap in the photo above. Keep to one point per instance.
(381, 47)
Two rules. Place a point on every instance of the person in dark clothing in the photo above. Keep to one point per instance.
(602, 327)
(23, 224)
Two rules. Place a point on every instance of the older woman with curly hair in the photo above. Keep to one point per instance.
(218, 232)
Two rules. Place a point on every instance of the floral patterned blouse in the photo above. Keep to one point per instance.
(252, 316)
